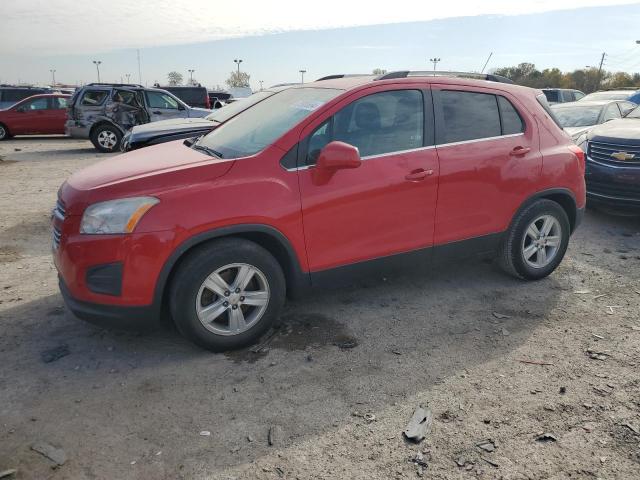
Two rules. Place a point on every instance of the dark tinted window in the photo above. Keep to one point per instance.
(190, 96)
(376, 124)
(17, 94)
(552, 95)
(469, 116)
(93, 97)
(511, 120)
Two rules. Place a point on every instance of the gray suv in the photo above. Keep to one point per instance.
(103, 112)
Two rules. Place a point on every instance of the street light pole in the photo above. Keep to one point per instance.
(238, 61)
(128, 75)
(435, 61)
(302, 72)
(191, 76)
(53, 75)
(97, 64)
(261, 82)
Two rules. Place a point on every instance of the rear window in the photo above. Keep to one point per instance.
(469, 116)
(196, 95)
(93, 97)
(511, 120)
(552, 95)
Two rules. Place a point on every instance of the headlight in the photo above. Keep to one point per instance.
(115, 216)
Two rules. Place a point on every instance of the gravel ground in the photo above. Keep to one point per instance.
(340, 379)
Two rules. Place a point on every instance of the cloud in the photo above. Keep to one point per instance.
(79, 27)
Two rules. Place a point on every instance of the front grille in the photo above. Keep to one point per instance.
(59, 214)
(618, 190)
(601, 152)
(57, 234)
(59, 211)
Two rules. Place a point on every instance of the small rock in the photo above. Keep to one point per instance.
(505, 332)
(549, 407)
(546, 437)
(275, 435)
(205, 433)
(563, 390)
(500, 316)
(487, 445)
(53, 354)
(54, 454)
(249, 438)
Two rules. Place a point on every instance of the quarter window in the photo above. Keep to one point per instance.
(511, 120)
(93, 98)
(469, 116)
(376, 124)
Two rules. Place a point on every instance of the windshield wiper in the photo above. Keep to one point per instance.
(207, 150)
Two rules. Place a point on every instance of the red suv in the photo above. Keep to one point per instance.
(314, 184)
(38, 114)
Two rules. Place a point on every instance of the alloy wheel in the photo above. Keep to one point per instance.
(541, 241)
(232, 299)
(107, 139)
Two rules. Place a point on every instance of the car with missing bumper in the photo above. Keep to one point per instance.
(318, 183)
(103, 112)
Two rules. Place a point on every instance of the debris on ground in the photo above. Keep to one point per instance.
(505, 332)
(631, 427)
(367, 417)
(534, 362)
(274, 437)
(490, 462)
(205, 433)
(53, 354)
(346, 344)
(500, 316)
(8, 473)
(420, 425)
(546, 437)
(420, 462)
(464, 462)
(582, 292)
(54, 454)
(487, 445)
(596, 355)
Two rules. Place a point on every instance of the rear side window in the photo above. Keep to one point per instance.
(568, 96)
(578, 95)
(469, 116)
(511, 120)
(93, 98)
(552, 95)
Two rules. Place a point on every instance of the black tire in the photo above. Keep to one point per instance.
(201, 263)
(4, 132)
(511, 256)
(99, 137)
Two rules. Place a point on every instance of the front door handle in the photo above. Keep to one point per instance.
(518, 151)
(418, 175)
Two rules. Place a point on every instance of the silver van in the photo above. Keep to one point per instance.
(103, 112)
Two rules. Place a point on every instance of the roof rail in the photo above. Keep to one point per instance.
(107, 84)
(478, 76)
(342, 75)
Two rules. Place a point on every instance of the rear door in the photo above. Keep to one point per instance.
(162, 106)
(58, 114)
(387, 204)
(91, 104)
(489, 160)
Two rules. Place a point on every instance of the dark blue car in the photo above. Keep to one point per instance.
(613, 163)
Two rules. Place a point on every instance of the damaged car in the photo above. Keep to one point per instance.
(103, 112)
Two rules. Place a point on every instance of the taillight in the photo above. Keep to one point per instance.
(577, 151)
(208, 101)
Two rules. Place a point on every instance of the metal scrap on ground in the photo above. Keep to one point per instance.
(419, 425)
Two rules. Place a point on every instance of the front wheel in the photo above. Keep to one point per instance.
(226, 294)
(536, 242)
(106, 138)
(4, 132)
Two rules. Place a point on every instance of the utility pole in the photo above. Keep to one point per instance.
(97, 64)
(128, 75)
(486, 63)
(190, 76)
(302, 72)
(139, 69)
(600, 70)
(53, 75)
(435, 61)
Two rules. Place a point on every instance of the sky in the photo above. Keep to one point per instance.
(277, 39)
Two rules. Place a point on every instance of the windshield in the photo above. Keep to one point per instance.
(256, 128)
(225, 113)
(576, 116)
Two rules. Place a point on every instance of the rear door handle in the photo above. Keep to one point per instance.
(518, 151)
(418, 175)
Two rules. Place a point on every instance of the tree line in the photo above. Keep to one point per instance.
(587, 79)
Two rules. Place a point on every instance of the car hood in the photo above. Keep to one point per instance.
(576, 131)
(197, 112)
(148, 171)
(622, 131)
(173, 125)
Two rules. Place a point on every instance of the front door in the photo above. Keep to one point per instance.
(387, 205)
(162, 106)
(33, 116)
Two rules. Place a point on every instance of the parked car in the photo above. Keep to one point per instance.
(38, 114)
(10, 95)
(315, 184)
(613, 164)
(218, 96)
(103, 112)
(194, 96)
(169, 130)
(562, 95)
(629, 94)
(578, 118)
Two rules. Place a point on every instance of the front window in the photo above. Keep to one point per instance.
(231, 110)
(576, 116)
(161, 100)
(256, 128)
(37, 104)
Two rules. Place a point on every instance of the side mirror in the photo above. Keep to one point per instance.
(335, 156)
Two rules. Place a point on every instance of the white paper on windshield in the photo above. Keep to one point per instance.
(309, 105)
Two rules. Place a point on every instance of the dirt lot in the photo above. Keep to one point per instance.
(456, 339)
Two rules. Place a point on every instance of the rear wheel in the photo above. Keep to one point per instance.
(4, 132)
(226, 294)
(537, 241)
(106, 138)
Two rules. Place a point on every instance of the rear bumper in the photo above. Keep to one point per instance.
(111, 316)
(75, 129)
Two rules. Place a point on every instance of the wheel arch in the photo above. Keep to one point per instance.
(562, 196)
(104, 121)
(266, 236)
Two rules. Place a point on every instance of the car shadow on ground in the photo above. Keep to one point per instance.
(364, 347)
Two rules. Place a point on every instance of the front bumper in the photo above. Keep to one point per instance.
(613, 186)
